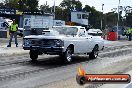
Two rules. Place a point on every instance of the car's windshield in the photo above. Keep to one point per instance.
(66, 30)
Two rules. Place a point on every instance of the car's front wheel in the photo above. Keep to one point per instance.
(67, 55)
(94, 53)
(33, 55)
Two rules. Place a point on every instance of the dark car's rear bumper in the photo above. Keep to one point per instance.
(46, 50)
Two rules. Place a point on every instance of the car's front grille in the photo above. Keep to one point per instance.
(43, 42)
(36, 42)
(48, 42)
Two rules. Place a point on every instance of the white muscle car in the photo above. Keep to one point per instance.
(64, 41)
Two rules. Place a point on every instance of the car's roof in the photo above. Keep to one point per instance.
(69, 26)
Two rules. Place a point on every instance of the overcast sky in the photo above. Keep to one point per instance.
(108, 4)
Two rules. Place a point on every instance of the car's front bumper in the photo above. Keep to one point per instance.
(46, 50)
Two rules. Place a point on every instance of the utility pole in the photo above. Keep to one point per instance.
(118, 22)
(102, 18)
(54, 13)
(54, 9)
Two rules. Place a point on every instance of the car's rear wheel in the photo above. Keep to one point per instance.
(33, 55)
(94, 53)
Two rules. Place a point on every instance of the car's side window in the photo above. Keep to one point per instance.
(82, 34)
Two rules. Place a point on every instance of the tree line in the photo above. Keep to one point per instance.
(62, 12)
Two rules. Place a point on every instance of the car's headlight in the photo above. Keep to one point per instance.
(59, 43)
(27, 42)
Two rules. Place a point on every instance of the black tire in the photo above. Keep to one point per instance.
(67, 56)
(21, 35)
(80, 80)
(94, 53)
(34, 55)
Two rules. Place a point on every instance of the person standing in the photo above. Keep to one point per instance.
(129, 33)
(13, 33)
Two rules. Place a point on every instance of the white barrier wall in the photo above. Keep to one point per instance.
(38, 22)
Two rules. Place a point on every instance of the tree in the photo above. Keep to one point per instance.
(111, 18)
(128, 16)
(32, 5)
(71, 5)
(11, 3)
(129, 19)
(22, 5)
(59, 13)
(94, 16)
(68, 6)
(45, 8)
(87, 8)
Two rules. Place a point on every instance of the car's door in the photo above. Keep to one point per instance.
(82, 43)
(90, 43)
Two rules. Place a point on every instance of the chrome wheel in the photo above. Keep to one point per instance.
(69, 55)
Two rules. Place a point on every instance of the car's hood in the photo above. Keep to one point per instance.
(44, 37)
